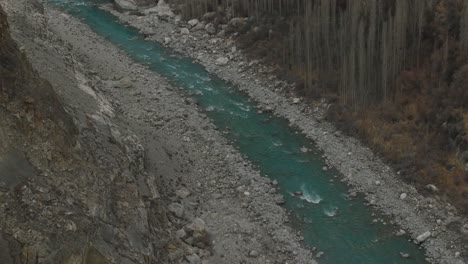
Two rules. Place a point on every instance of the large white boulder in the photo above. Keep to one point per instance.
(128, 5)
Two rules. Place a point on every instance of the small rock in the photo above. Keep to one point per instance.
(193, 259)
(193, 22)
(319, 254)
(126, 5)
(177, 209)
(70, 226)
(209, 16)
(324, 168)
(401, 232)
(304, 150)
(167, 40)
(125, 83)
(184, 31)
(464, 229)
(378, 183)
(279, 200)
(457, 254)
(210, 28)
(432, 188)
(403, 196)
(180, 234)
(197, 225)
(253, 254)
(245, 181)
(222, 61)
(296, 100)
(423, 237)
(182, 193)
(404, 255)
(275, 183)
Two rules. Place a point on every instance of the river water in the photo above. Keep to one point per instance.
(329, 219)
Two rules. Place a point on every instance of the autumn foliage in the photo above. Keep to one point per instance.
(395, 71)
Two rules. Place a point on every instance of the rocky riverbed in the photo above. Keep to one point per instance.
(169, 188)
(430, 220)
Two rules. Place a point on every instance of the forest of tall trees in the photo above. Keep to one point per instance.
(396, 71)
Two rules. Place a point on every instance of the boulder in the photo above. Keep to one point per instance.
(184, 31)
(193, 22)
(162, 10)
(177, 209)
(193, 259)
(423, 237)
(237, 24)
(210, 28)
(432, 188)
(199, 26)
(197, 225)
(209, 16)
(126, 5)
(222, 61)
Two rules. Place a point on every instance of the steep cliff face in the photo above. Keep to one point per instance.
(71, 188)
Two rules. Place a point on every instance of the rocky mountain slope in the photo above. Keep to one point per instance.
(114, 165)
(69, 189)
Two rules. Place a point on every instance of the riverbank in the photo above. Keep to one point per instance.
(204, 215)
(364, 171)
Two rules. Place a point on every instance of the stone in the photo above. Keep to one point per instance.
(210, 28)
(464, 229)
(279, 200)
(167, 40)
(275, 183)
(199, 26)
(184, 31)
(253, 254)
(319, 254)
(177, 209)
(126, 5)
(125, 83)
(222, 61)
(401, 232)
(193, 22)
(404, 255)
(403, 196)
(324, 168)
(304, 150)
(378, 183)
(423, 237)
(197, 225)
(183, 193)
(245, 181)
(236, 24)
(180, 234)
(162, 10)
(209, 16)
(457, 254)
(296, 100)
(193, 259)
(432, 188)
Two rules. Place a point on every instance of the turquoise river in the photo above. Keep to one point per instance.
(336, 224)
